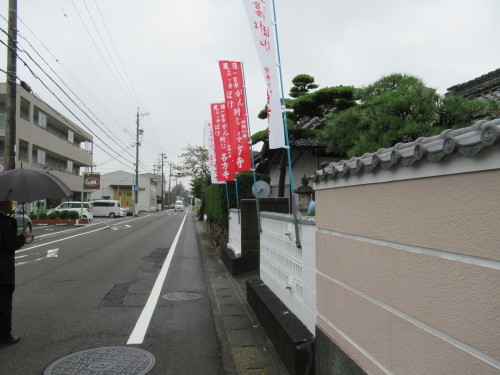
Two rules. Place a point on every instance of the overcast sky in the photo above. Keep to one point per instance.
(161, 56)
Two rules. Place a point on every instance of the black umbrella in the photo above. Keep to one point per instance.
(26, 185)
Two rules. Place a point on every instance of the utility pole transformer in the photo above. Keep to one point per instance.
(10, 130)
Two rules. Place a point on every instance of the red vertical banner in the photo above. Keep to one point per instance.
(222, 143)
(235, 97)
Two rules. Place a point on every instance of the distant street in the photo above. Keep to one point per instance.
(81, 288)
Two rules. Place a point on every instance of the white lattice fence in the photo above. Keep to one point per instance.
(290, 271)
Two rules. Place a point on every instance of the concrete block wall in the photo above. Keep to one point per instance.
(409, 269)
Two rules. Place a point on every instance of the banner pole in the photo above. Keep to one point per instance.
(227, 199)
(290, 170)
(255, 192)
(237, 199)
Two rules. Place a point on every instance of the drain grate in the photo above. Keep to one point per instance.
(182, 296)
(117, 360)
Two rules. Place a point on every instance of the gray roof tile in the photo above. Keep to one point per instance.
(467, 141)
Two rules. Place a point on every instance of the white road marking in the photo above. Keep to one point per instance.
(52, 253)
(62, 239)
(69, 237)
(137, 336)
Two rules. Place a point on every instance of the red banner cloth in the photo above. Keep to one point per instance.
(222, 141)
(236, 110)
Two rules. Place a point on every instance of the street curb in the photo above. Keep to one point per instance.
(245, 347)
(227, 358)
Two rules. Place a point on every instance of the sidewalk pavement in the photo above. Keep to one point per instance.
(245, 347)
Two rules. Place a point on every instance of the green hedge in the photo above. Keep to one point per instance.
(216, 200)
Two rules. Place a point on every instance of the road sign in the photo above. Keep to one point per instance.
(3, 167)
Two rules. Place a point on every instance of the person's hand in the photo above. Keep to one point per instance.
(26, 234)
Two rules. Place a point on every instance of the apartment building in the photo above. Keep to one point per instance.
(46, 140)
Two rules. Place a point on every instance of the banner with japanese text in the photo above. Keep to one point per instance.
(211, 153)
(222, 142)
(259, 14)
(236, 112)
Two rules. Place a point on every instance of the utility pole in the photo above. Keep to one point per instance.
(169, 176)
(137, 144)
(163, 157)
(136, 188)
(10, 130)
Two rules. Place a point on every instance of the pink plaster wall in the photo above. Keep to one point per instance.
(458, 213)
(401, 310)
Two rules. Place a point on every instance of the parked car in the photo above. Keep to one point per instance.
(106, 207)
(22, 223)
(179, 206)
(77, 207)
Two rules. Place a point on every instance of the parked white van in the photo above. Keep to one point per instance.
(105, 207)
(75, 206)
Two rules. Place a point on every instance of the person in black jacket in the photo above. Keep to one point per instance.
(10, 241)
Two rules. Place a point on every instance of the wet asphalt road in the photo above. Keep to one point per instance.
(85, 288)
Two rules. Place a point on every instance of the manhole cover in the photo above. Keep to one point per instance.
(117, 360)
(181, 296)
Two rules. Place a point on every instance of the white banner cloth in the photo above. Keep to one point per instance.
(259, 14)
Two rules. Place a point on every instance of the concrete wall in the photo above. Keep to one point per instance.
(234, 240)
(409, 267)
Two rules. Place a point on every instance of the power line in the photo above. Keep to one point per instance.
(101, 80)
(107, 50)
(29, 68)
(58, 62)
(74, 103)
(118, 55)
(64, 92)
(100, 54)
(43, 83)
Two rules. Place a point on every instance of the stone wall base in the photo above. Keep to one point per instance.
(290, 337)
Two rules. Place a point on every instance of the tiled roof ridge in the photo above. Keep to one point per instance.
(492, 78)
(467, 141)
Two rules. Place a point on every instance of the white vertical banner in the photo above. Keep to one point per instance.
(259, 14)
(211, 153)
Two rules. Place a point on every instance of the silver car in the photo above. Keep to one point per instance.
(23, 221)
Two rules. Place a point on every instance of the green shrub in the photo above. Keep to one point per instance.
(58, 213)
(64, 214)
(73, 215)
(216, 198)
(33, 216)
(52, 216)
(216, 204)
(43, 216)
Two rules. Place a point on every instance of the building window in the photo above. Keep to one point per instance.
(70, 166)
(40, 157)
(42, 119)
(71, 136)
